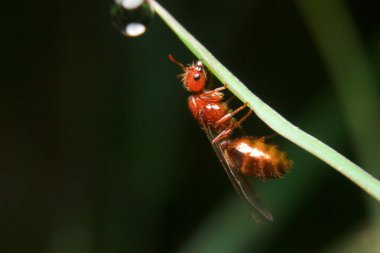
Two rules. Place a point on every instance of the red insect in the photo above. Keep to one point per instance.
(241, 157)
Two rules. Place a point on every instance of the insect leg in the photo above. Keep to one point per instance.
(267, 137)
(213, 95)
(214, 90)
(228, 116)
(229, 131)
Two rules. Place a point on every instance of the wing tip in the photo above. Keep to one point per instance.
(262, 218)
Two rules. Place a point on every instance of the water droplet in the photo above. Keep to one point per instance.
(129, 4)
(135, 29)
(131, 17)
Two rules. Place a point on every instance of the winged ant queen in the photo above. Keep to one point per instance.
(242, 157)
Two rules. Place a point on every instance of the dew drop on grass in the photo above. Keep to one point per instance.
(131, 17)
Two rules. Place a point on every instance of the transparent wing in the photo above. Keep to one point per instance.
(240, 182)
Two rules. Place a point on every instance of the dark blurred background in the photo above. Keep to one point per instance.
(98, 152)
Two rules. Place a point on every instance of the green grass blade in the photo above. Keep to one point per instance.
(274, 120)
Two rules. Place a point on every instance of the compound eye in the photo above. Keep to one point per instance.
(197, 77)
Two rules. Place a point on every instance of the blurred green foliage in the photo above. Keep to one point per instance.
(99, 153)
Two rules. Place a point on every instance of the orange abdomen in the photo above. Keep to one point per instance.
(253, 157)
